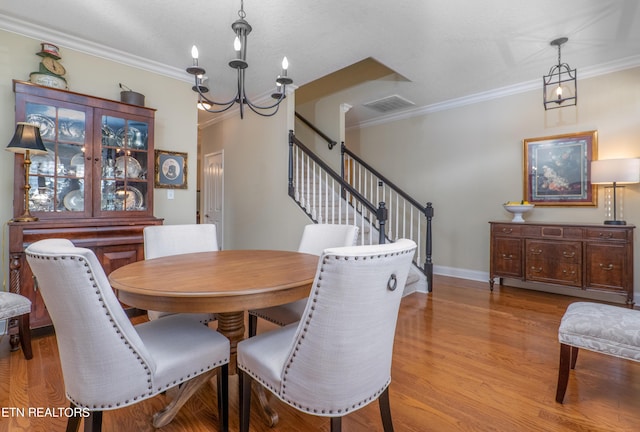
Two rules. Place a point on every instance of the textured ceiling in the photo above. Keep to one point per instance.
(440, 50)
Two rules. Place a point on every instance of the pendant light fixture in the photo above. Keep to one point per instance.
(559, 86)
(242, 29)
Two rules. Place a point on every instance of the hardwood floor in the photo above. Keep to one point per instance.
(465, 359)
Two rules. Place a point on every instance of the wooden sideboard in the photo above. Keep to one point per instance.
(596, 258)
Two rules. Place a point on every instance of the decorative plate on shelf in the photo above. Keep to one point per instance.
(43, 163)
(42, 199)
(108, 136)
(46, 125)
(133, 168)
(128, 198)
(72, 131)
(131, 138)
(74, 200)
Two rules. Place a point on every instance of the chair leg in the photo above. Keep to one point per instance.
(566, 356)
(24, 332)
(93, 423)
(336, 424)
(244, 390)
(253, 325)
(223, 398)
(73, 424)
(574, 356)
(385, 411)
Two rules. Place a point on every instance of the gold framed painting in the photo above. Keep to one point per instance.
(557, 169)
(170, 170)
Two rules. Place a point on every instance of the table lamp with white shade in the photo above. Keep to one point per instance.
(615, 172)
(26, 141)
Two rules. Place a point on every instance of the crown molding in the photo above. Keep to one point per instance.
(533, 85)
(37, 32)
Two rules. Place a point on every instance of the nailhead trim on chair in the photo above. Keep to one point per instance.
(122, 337)
(282, 394)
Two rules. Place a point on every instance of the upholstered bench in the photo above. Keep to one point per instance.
(611, 330)
(16, 306)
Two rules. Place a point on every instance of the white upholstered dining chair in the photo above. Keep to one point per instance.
(337, 358)
(17, 306)
(315, 239)
(166, 240)
(107, 363)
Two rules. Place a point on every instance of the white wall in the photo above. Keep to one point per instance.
(176, 115)
(469, 160)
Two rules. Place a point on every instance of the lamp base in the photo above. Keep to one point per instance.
(25, 218)
(615, 222)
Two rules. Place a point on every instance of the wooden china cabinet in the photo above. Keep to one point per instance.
(93, 187)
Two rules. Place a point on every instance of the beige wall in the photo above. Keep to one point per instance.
(258, 213)
(176, 116)
(468, 161)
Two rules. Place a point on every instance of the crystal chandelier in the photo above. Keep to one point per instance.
(242, 29)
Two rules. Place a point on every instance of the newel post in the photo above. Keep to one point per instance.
(291, 188)
(382, 215)
(428, 263)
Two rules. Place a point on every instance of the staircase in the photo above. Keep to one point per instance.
(347, 198)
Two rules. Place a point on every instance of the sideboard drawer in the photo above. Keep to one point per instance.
(606, 234)
(554, 272)
(507, 230)
(570, 252)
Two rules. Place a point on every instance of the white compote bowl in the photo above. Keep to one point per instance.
(518, 210)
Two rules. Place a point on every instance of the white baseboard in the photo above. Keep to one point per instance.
(556, 289)
(461, 273)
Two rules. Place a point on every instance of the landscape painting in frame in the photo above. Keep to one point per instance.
(557, 169)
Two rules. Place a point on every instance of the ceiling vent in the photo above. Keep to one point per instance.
(389, 103)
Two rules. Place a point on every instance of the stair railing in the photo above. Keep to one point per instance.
(407, 218)
(331, 143)
(319, 191)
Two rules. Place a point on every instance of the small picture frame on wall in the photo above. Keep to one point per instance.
(557, 169)
(170, 170)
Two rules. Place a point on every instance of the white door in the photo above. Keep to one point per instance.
(214, 192)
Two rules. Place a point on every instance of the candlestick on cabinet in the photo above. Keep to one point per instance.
(615, 172)
(26, 140)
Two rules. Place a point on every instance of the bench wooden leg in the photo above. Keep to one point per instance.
(574, 356)
(568, 356)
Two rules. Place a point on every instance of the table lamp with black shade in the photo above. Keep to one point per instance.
(615, 172)
(26, 141)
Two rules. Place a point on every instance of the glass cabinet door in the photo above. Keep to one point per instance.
(57, 179)
(124, 164)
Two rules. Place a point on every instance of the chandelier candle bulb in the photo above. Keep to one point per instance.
(241, 28)
(194, 54)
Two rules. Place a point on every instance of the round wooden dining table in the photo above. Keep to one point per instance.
(227, 282)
